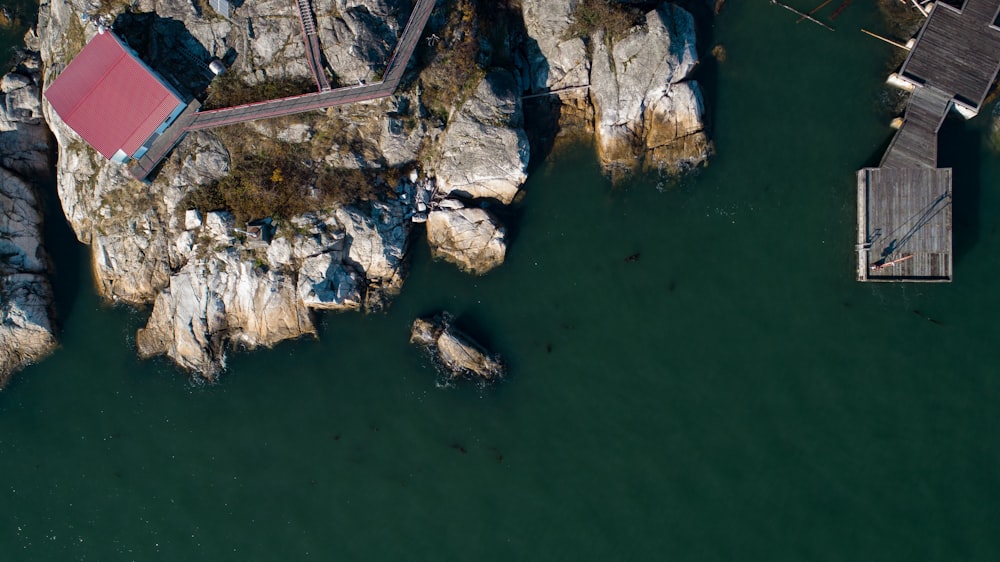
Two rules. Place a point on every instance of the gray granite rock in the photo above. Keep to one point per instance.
(26, 334)
(455, 351)
(641, 96)
(556, 61)
(220, 301)
(471, 238)
(484, 152)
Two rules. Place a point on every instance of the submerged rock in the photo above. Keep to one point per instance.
(471, 238)
(25, 293)
(455, 351)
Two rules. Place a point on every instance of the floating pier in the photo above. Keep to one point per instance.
(905, 205)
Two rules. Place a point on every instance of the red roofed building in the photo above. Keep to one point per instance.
(114, 100)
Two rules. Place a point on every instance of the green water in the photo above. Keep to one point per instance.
(732, 395)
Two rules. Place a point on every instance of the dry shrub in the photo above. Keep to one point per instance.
(339, 187)
(453, 61)
(229, 90)
(272, 182)
(613, 18)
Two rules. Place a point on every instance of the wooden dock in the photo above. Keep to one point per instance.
(903, 212)
(905, 205)
(915, 144)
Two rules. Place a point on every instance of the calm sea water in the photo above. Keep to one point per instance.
(732, 395)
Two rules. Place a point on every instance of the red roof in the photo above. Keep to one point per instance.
(110, 98)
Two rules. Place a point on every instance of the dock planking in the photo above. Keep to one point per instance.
(144, 166)
(904, 212)
(915, 144)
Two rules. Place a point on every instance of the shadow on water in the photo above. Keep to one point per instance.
(959, 149)
(877, 155)
(66, 254)
(707, 71)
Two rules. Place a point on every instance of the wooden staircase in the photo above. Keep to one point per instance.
(314, 54)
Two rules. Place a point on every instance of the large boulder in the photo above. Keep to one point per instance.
(484, 152)
(644, 110)
(455, 351)
(471, 238)
(358, 36)
(25, 293)
(641, 96)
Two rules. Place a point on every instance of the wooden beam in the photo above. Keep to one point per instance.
(814, 10)
(889, 41)
(806, 16)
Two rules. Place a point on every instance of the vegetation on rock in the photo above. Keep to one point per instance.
(229, 90)
(612, 18)
(271, 178)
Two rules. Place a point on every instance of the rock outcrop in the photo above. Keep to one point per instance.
(26, 334)
(248, 293)
(471, 238)
(642, 98)
(454, 351)
(647, 112)
(212, 286)
(485, 150)
(222, 299)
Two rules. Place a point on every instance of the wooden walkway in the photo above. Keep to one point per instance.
(144, 166)
(915, 144)
(905, 205)
(306, 102)
(314, 55)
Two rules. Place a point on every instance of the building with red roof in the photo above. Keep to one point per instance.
(113, 100)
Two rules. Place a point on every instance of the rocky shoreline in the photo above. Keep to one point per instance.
(448, 148)
(26, 332)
